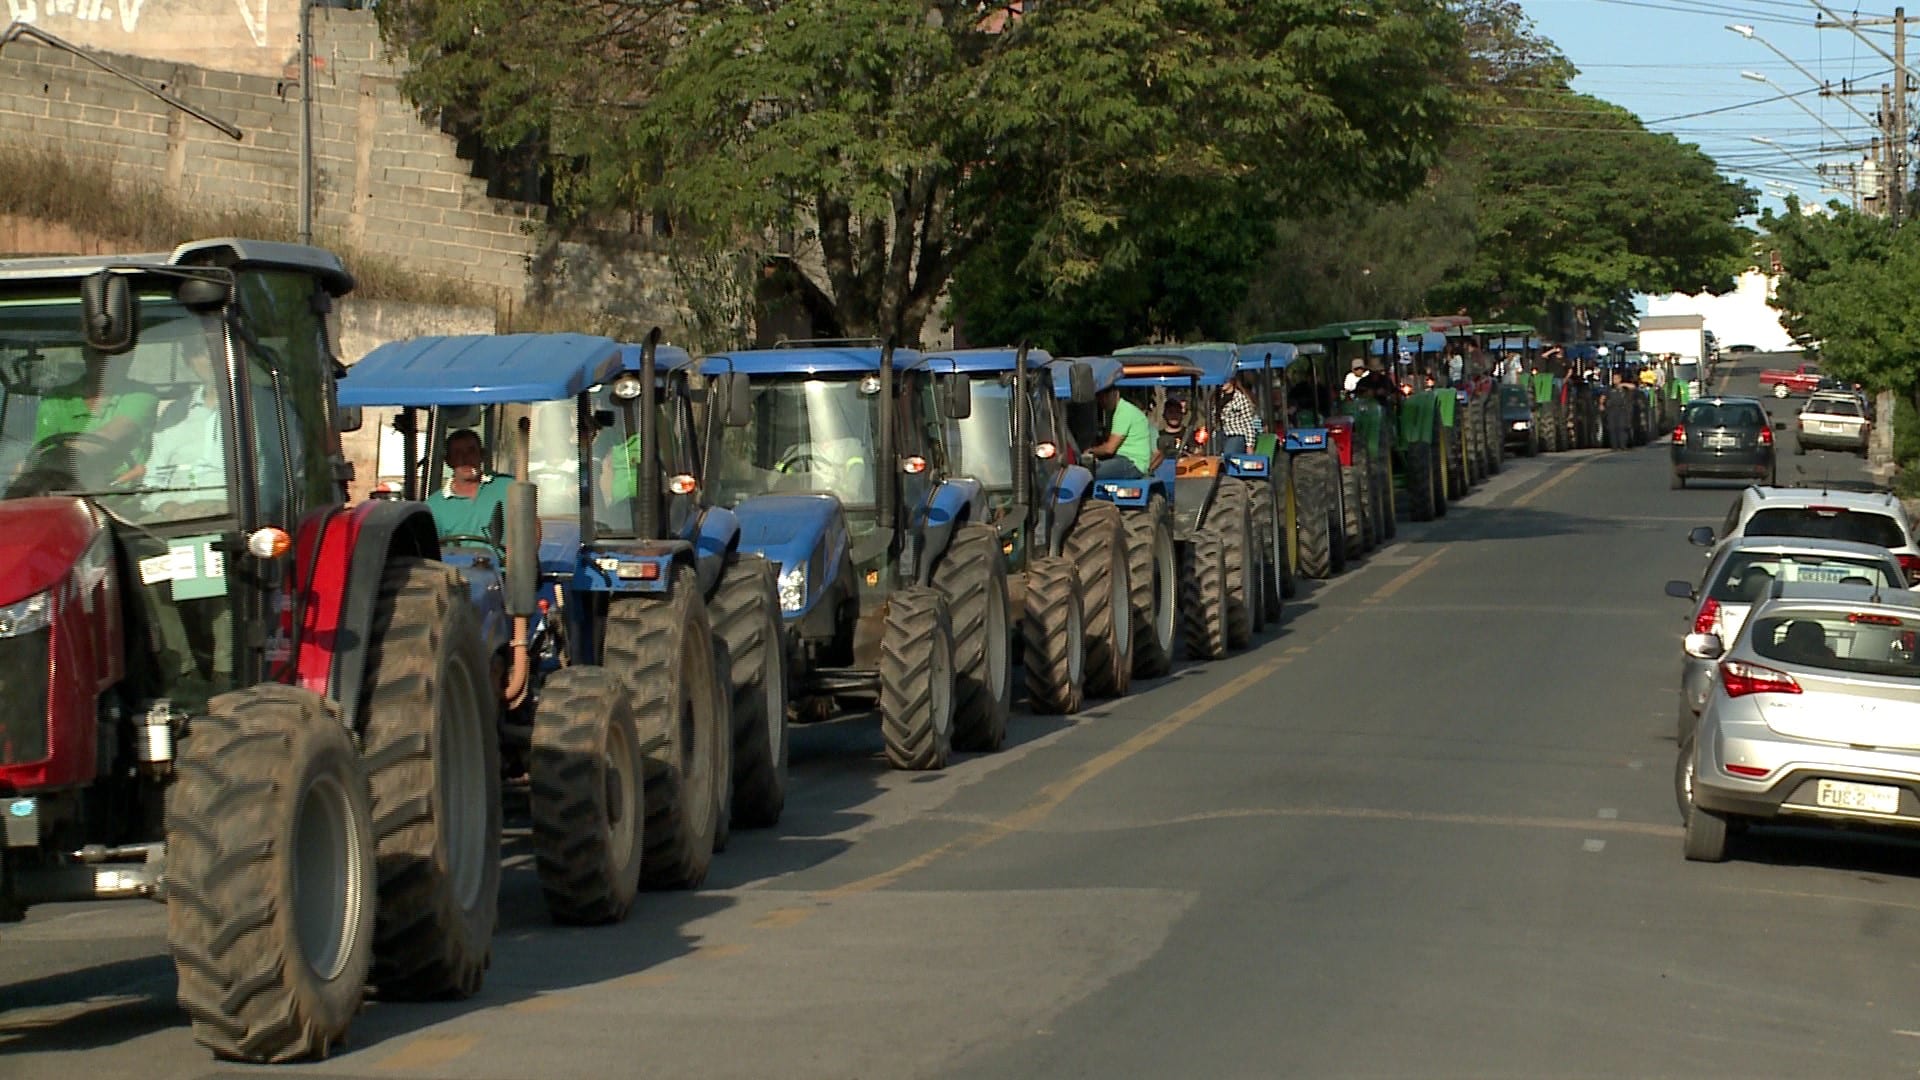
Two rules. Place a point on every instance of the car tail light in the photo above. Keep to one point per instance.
(1911, 564)
(1766, 436)
(1740, 679)
(1871, 619)
(1709, 614)
(1751, 772)
(1679, 435)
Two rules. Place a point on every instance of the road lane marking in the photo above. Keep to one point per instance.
(1593, 845)
(1552, 480)
(429, 1051)
(1053, 795)
(781, 918)
(1406, 576)
(1367, 813)
(718, 952)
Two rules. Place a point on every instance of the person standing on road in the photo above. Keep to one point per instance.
(1619, 411)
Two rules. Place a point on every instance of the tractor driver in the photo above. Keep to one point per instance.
(90, 432)
(1127, 451)
(472, 501)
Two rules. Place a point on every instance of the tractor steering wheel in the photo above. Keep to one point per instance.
(798, 460)
(80, 454)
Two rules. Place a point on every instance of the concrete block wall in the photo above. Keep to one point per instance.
(384, 181)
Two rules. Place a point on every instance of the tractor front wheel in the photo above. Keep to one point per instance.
(1153, 579)
(1316, 486)
(586, 796)
(916, 680)
(1203, 596)
(1053, 638)
(1273, 582)
(746, 617)
(1098, 548)
(1231, 519)
(973, 578)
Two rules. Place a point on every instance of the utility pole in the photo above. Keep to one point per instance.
(1897, 128)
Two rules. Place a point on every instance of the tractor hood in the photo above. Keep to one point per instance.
(787, 529)
(40, 540)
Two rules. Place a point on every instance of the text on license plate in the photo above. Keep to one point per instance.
(1873, 798)
(1833, 429)
(1719, 442)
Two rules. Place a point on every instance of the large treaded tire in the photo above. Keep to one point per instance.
(1153, 576)
(916, 680)
(586, 796)
(1496, 437)
(1420, 481)
(1382, 485)
(1203, 596)
(1098, 547)
(1273, 583)
(1458, 483)
(973, 577)
(664, 646)
(270, 913)
(1231, 519)
(431, 743)
(1053, 641)
(745, 609)
(1315, 486)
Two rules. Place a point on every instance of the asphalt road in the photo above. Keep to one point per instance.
(1424, 829)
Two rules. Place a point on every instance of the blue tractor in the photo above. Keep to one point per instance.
(592, 574)
(1068, 587)
(891, 578)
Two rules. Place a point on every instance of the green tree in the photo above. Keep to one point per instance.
(879, 143)
(1849, 287)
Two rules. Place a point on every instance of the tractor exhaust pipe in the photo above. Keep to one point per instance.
(885, 494)
(647, 487)
(1022, 438)
(523, 567)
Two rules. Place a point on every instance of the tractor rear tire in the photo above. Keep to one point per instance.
(1098, 547)
(1458, 483)
(917, 680)
(1420, 481)
(973, 577)
(1203, 596)
(270, 876)
(1053, 640)
(1382, 484)
(1353, 516)
(431, 743)
(1273, 583)
(1316, 486)
(664, 645)
(587, 784)
(1231, 519)
(745, 610)
(1153, 577)
(1496, 439)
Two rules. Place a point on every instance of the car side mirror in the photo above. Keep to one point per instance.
(109, 313)
(1679, 590)
(1704, 646)
(1701, 536)
(958, 400)
(1080, 384)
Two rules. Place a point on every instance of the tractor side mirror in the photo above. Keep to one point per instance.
(1080, 384)
(1701, 536)
(109, 314)
(1679, 590)
(347, 418)
(957, 402)
(737, 392)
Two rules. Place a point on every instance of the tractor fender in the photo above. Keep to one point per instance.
(1253, 466)
(340, 556)
(808, 530)
(1308, 440)
(949, 507)
(1071, 487)
(486, 588)
(715, 536)
(1192, 498)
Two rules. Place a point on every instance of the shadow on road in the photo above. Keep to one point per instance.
(144, 1004)
(1858, 851)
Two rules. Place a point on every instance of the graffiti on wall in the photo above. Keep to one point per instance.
(125, 14)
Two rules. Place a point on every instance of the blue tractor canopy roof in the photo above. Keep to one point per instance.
(1216, 360)
(1254, 357)
(1106, 374)
(665, 358)
(807, 360)
(981, 361)
(479, 369)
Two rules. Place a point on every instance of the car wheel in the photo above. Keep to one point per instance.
(1706, 839)
(1779, 390)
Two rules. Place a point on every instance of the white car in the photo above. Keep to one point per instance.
(1833, 420)
(1862, 517)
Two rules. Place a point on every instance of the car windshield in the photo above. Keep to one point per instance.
(1514, 397)
(1827, 523)
(985, 447)
(1857, 642)
(1686, 372)
(804, 434)
(135, 431)
(1726, 414)
(1748, 575)
(1833, 407)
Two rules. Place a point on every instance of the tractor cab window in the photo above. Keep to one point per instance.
(141, 433)
(803, 434)
(984, 440)
(289, 371)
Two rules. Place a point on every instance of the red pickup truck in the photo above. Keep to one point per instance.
(1804, 379)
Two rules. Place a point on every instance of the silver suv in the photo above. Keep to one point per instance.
(1833, 420)
(1814, 715)
(1742, 572)
(1862, 517)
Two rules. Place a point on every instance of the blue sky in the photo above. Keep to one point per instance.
(1664, 59)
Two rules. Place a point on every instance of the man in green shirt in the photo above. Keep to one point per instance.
(116, 424)
(469, 502)
(1127, 452)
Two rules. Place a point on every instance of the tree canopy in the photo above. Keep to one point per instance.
(1849, 286)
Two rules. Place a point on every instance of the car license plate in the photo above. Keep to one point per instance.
(1873, 798)
(1833, 429)
(1721, 442)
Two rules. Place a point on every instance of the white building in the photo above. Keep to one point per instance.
(1744, 316)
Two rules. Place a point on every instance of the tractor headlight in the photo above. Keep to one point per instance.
(793, 587)
(1521, 425)
(33, 613)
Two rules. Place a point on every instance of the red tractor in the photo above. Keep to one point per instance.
(229, 691)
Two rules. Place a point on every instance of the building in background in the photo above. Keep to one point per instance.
(1745, 316)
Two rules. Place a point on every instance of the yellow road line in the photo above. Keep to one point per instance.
(429, 1051)
(1053, 795)
(1556, 478)
(1407, 575)
(781, 918)
(718, 952)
